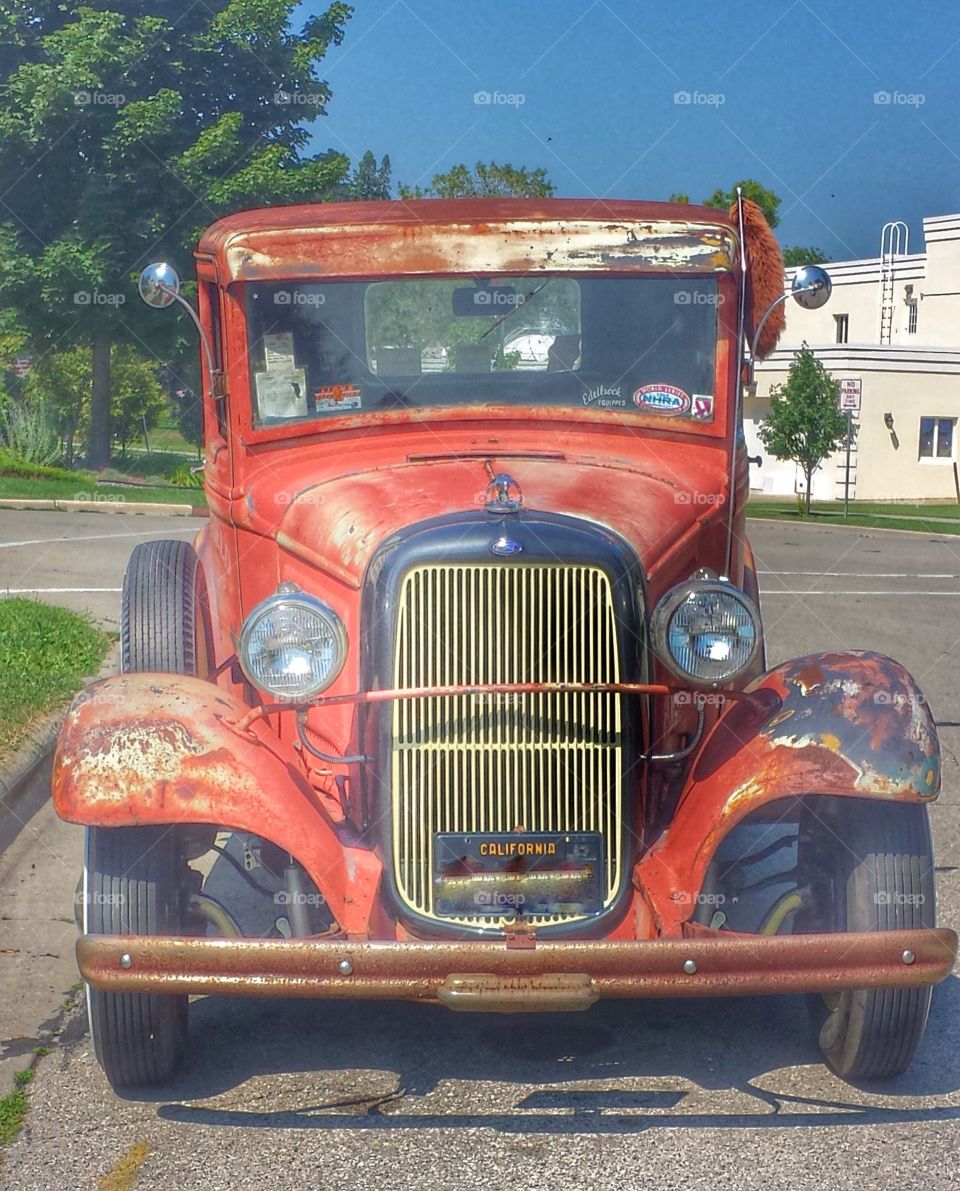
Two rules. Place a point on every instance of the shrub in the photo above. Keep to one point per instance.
(184, 477)
(27, 433)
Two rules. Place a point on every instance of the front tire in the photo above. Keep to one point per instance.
(133, 889)
(136, 877)
(881, 877)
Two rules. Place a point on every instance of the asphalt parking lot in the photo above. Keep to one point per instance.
(658, 1094)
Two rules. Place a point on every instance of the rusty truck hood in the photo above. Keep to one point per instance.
(337, 523)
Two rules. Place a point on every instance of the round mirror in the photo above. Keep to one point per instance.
(812, 287)
(159, 285)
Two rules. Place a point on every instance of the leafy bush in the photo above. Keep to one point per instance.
(184, 477)
(27, 432)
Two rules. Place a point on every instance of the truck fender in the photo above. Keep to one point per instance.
(140, 749)
(851, 724)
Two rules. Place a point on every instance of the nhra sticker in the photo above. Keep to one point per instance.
(337, 398)
(702, 408)
(665, 400)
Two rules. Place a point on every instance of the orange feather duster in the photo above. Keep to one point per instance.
(764, 277)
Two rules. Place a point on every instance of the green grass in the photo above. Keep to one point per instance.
(45, 652)
(155, 466)
(918, 517)
(168, 438)
(80, 487)
(13, 1110)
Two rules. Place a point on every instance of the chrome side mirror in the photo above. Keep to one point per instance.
(159, 285)
(812, 287)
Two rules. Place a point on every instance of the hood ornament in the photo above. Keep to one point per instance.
(503, 493)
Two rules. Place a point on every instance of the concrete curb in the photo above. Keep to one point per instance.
(863, 529)
(17, 774)
(103, 506)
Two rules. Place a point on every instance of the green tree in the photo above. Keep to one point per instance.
(369, 180)
(127, 127)
(679, 198)
(138, 396)
(484, 181)
(766, 200)
(803, 256)
(805, 424)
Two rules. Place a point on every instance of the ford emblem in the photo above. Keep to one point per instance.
(505, 547)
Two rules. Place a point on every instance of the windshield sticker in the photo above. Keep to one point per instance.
(336, 398)
(605, 397)
(665, 400)
(278, 351)
(702, 407)
(282, 394)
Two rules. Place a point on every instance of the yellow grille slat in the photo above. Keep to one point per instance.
(468, 763)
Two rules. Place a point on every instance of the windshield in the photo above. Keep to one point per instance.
(641, 345)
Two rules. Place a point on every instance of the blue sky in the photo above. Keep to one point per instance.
(784, 91)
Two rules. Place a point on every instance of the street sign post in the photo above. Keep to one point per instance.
(850, 392)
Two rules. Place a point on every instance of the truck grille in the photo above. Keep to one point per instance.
(488, 763)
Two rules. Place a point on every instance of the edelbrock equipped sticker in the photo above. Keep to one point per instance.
(702, 408)
(337, 398)
(665, 400)
(605, 396)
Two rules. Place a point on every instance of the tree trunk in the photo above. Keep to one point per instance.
(98, 444)
(809, 475)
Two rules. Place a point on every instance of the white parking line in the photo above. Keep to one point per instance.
(780, 592)
(864, 574)
(93, 537)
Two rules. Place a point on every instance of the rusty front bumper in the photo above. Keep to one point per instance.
(493, 976)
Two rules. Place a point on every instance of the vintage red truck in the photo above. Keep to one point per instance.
(464, 675)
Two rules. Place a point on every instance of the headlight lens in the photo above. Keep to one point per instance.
(292, 646)
(706, 632)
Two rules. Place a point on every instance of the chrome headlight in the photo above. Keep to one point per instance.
(706, 632)
(292, 645)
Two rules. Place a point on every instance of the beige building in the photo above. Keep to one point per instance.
(893, 323)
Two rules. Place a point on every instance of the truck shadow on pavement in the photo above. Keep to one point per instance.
(620, 1067)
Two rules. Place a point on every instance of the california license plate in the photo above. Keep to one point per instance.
(521, 874)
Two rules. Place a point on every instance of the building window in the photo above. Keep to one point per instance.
(843, 327)
(912, 318)
(937, 437)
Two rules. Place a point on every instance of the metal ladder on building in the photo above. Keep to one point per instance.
(894, 242)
